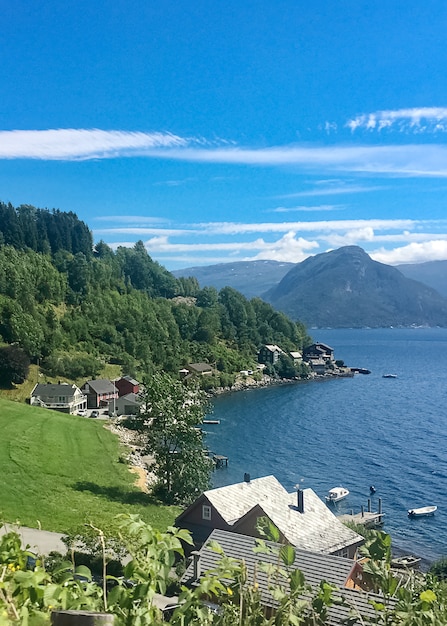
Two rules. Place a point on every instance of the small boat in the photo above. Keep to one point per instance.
(405, 562)
(423, 511)
(336, 494)
(389, 375)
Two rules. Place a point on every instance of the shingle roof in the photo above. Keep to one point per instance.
(102, 385)
(53, 389)
(199, 367)
(130, 380)
(316, 529)
(316, 567)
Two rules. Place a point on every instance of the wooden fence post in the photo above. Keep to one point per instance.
(81, 618)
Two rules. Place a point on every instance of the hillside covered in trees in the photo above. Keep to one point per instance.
(76, 306)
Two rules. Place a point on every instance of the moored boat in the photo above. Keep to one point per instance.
(389, 375)
(423, 511)
(336, 494)
(405, 562)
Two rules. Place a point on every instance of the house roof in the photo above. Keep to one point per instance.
(316, 529)
(316, 567)
(129, 379)
(318, 346)
(295, 355)
(273, 347)
(131, 398)
(199, 367)
(101, 385)
(53, 389)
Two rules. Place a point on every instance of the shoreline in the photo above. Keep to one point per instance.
(249, 382)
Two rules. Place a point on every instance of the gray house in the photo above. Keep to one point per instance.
(126, 405)
(302, 519)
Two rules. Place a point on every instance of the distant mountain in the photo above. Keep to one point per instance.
(346, 288)
(432, 273)
(251, 278)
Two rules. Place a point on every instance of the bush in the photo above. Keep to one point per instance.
(439, 568)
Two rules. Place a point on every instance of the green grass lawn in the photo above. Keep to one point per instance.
(63, 471)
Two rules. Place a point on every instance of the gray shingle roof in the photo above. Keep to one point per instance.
(101, 385)
(316, 567)
(316, 529)
(52, 390)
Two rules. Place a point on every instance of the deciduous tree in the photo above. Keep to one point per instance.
(14, 365)
(170, 425)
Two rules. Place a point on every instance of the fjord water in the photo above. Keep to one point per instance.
(353, 432)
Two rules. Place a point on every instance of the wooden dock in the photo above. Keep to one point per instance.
(220, 460)
(368, 518)
(211, 422)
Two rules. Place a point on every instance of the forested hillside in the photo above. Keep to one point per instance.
(75, 306)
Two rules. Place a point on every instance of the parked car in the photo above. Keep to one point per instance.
(94, 414)
(82, 412)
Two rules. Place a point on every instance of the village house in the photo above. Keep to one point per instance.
(197, 369)
(125, 405)
(302, 519)
(59, 397)
(100, 393)
(319, 357)
(269, 354)
(343, 573)
(296, 357)
(126, 384)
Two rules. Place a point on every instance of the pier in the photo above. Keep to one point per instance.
(368, 518)
(220, 460)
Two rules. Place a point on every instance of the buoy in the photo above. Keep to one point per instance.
(372, 489)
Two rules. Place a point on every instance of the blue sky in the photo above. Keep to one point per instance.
(224, 131)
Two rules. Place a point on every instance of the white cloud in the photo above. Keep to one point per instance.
(309, 209)
(234, 228)
(79, 144)
(131, 219)
(433, 250)
(144, 232)
(331, 189)
(419, 120)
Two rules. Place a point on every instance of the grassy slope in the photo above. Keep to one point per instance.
(62, 471)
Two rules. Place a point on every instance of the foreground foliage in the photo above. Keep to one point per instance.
(29, 592)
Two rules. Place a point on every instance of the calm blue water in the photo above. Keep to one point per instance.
(354, 432)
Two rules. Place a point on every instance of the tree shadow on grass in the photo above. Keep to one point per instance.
(116, 494)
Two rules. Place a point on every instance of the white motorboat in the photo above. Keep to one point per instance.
(389, 375)
(423, 511)
(336, 494)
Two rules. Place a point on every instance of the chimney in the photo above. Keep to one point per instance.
(196, 564)
(246, 477)
(300, 500)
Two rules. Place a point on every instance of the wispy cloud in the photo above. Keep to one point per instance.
(235, 228)
(80, 144)
(417, 120)
(334, 190)
(426, 160)
(307, 209)
(131, 219)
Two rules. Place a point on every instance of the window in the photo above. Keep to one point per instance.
(206, 512)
